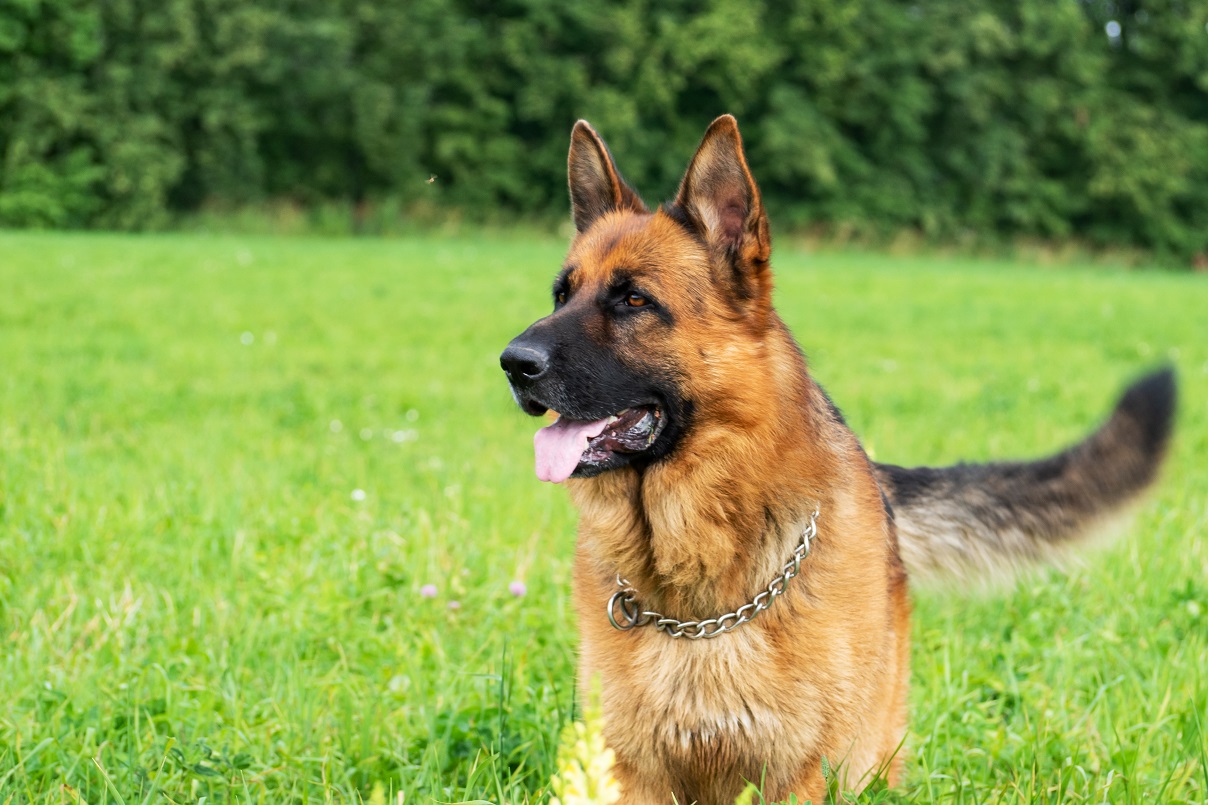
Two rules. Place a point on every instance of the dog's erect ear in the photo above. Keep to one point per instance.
(595, 185)
(721, 201)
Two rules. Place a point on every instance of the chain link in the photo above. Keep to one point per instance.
(625, 600)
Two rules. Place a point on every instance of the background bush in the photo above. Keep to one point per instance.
(1010, 117)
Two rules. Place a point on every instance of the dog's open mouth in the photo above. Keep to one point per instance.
(571, 444)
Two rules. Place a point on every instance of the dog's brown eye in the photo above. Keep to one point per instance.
(560, 298)
(636, 300)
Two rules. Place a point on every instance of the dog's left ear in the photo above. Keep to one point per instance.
(720, 199)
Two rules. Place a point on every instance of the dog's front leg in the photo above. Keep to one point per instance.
(641, 789)
(808, 786)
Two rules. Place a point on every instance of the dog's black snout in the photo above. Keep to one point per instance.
(524, 363)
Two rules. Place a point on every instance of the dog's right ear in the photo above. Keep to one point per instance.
(596, 187)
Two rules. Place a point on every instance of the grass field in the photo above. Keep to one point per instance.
(230, 466)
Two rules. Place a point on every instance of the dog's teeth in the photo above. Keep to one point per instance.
(612, 419)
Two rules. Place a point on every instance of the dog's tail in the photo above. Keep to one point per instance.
(979, 520)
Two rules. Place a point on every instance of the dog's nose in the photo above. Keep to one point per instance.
(523, 363)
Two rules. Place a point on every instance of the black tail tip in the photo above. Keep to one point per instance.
(1151, 401)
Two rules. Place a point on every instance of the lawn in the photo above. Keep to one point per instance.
(230, 468)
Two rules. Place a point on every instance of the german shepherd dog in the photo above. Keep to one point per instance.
(721, 495)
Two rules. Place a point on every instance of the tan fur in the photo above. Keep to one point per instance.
(822, 673)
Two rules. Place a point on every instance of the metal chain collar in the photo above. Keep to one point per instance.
(633, 615)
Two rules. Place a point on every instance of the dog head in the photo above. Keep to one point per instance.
(650, 309)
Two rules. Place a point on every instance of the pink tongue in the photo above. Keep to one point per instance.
(560, 445)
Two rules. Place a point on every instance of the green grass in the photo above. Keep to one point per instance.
(193, 604)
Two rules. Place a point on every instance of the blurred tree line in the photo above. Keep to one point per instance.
(1047, 118)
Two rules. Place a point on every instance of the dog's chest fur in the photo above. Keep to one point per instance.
(699, 714)
(764, 702)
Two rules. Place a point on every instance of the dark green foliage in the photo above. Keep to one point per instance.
(999, 117)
